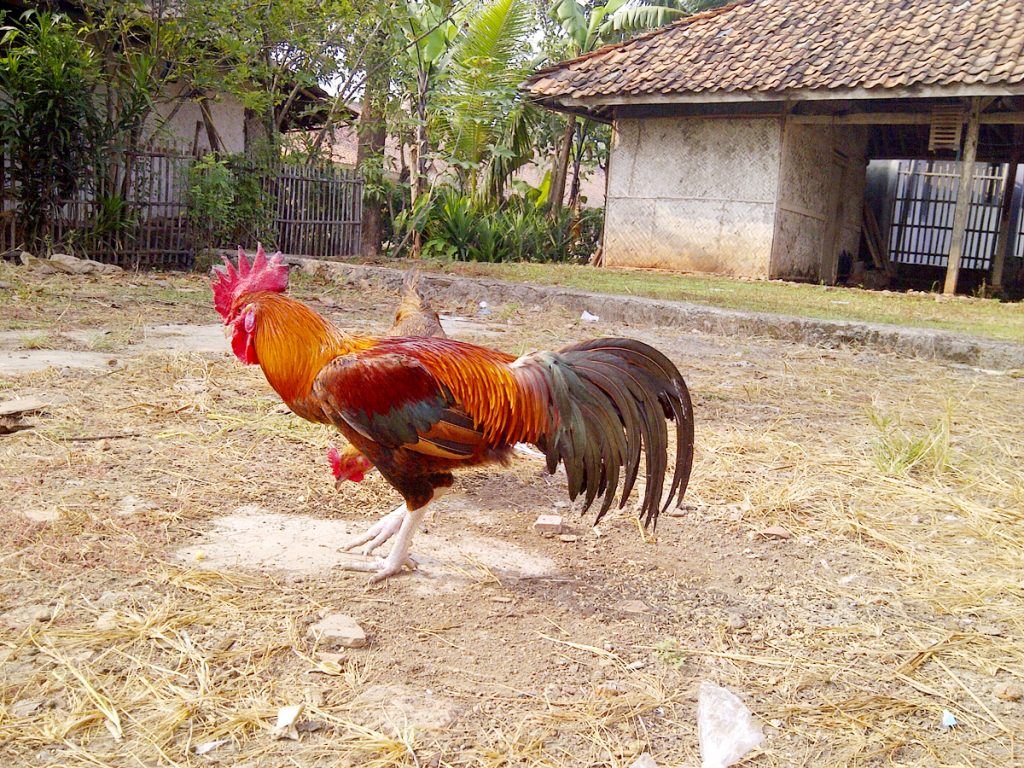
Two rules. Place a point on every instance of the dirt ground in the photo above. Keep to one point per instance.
(849, 560)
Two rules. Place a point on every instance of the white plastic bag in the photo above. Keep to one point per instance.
(725, 727)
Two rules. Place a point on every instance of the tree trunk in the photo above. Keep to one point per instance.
(372, 132)
(577, 160)
(420, 149)
(557, 195)
(256, 135)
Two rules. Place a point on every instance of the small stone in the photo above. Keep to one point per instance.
(644, 761)
(757, 637)
(110, 598)
(608, 689)
(25, 707)
(548, 524)
(736, 621)
(775, 532)
(1008, 691)
(990, 629)
(331, 658)
(286, 722)
(131, 505)
(106, 621)
(339, 631)
(635, 665)
(568, 538)
(633, 606)
(737, 579)
(71, 265)
(42, 515)
(40, 613)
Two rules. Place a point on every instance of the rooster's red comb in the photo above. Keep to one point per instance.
(262, 275)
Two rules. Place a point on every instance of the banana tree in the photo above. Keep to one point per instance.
(483, 120)
(431, 31)
(587, 28)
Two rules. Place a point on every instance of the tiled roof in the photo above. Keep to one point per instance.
(761, 47)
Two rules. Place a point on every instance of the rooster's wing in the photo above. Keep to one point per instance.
(392, 400)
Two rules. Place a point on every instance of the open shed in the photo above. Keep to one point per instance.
(742, 136)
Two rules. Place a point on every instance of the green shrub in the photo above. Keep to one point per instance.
(455, 226)
(47, 114)
(227, 202)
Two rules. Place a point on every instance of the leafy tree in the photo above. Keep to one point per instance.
(47, 114)
(264, 52)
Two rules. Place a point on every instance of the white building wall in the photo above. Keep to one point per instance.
(693, 194)
(180, 131)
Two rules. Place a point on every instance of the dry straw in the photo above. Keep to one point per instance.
(899, 596)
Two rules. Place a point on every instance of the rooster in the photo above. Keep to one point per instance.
(419, 408)
(414, 317)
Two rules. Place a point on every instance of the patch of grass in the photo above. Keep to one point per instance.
(897, 451)
(670, 652)
(38, 340)
(981, 317)
(113, 341)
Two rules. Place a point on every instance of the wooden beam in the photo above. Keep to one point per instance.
(901, 118)
(866, 118)
(963, 197)
(1003, 238)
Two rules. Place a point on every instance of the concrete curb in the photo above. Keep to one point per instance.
(911, 342)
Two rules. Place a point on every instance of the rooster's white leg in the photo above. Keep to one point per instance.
(379, 532)
(398, 558)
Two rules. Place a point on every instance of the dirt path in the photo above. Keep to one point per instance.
(169, 539)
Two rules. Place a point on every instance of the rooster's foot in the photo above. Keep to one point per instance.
(378, 533)
(382, 567)
(398, 558)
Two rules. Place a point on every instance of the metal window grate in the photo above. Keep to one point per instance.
(922, 222)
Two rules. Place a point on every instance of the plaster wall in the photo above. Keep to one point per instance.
(693, 194)
(820, 192)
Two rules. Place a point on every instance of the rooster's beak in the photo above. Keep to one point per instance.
(228, 332)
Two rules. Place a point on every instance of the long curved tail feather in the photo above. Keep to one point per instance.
(610, 402)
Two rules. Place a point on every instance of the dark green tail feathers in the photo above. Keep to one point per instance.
(612, 399)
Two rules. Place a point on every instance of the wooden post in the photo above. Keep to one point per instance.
(963, 197)
(1003, 239)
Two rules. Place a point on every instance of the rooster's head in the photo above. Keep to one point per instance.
(348, 467)
(231, 289)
